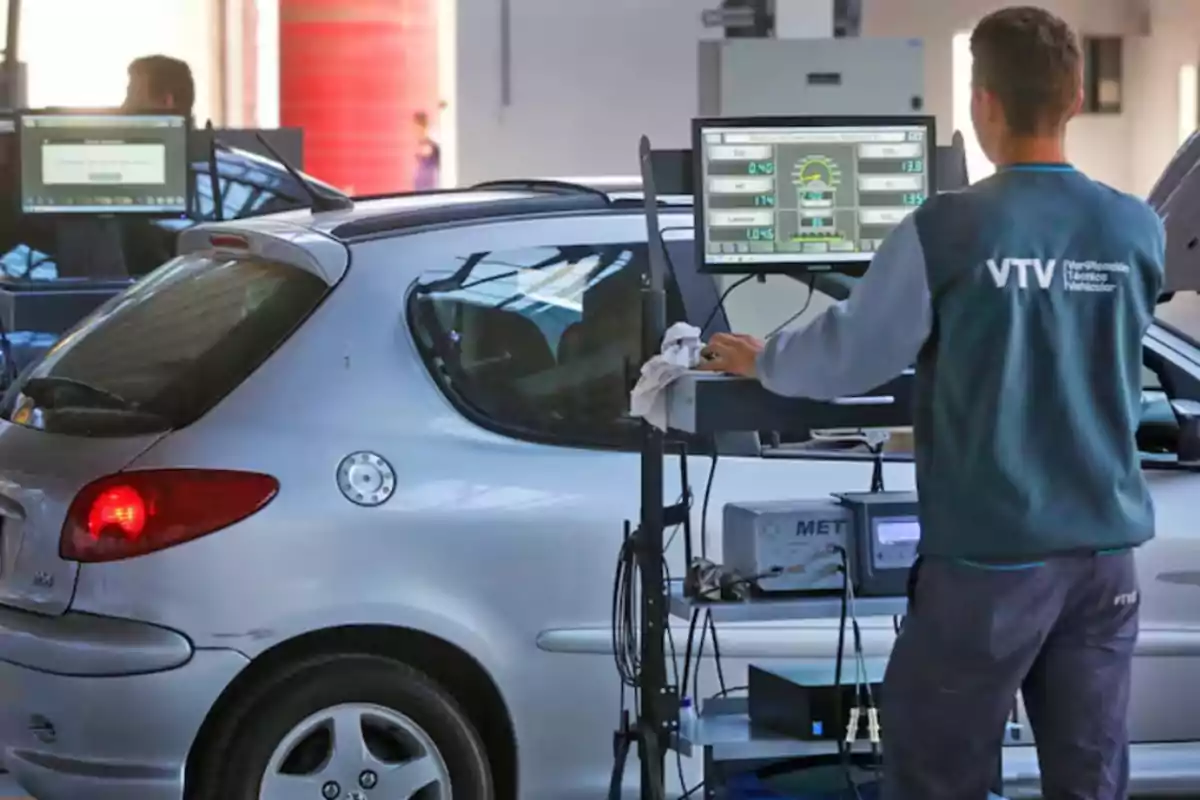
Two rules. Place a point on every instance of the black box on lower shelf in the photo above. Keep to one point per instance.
(803, 704)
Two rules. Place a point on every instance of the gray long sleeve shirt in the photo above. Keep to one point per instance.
(865, 340)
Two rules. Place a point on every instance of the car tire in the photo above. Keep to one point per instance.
(247, 748)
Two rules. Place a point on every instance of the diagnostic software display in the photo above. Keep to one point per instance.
(800, 195)
(94, 163)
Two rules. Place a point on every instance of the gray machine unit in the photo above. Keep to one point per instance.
(815, 77)
(887, 529)
(801, 545)
(788, 545)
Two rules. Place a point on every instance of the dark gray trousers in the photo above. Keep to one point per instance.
(1062, 632)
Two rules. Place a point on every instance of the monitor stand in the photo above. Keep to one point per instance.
(90, 247)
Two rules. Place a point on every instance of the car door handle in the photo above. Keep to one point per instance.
(865, 400)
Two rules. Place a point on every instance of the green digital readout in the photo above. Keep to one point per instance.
(761, 168)
(764, 200)
(914, 165)
(760, 234)
(914, 199)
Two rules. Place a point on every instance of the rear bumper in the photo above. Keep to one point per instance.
(87, 645)
(108, 738)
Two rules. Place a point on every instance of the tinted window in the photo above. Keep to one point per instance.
(160, 355)
(543, 342)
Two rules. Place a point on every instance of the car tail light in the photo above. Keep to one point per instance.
(228, 241)
(134, 513)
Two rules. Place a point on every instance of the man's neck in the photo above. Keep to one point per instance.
(1033, 150)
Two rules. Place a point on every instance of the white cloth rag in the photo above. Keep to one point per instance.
(680, 352)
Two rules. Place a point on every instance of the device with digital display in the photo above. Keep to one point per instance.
(798, 195)
(800, 546)
(75, 163)
(888, 531)
(787, 545)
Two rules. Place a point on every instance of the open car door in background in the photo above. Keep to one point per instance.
(1176, 197)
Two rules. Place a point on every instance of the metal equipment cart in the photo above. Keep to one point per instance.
(722, 732)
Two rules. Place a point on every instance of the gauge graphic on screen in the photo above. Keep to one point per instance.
(817, 179)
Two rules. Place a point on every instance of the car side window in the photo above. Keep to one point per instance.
(238, 199)
(541, 343)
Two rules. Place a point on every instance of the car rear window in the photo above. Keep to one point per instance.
(159, 356)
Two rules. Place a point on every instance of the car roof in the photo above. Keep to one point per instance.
(372, 217)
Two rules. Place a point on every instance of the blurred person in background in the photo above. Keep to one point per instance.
(160, 83)
(429, 155)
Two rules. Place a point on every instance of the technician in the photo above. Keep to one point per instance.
(160, 84)
(1023, 301)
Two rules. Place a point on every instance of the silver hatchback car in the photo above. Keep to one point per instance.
(329, 505)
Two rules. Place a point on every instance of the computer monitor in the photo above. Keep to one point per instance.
(799, 195)
(75, 163)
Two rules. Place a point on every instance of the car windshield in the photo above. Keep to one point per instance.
(160, 355)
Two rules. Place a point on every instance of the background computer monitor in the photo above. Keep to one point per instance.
(800, 195)
(103, 162)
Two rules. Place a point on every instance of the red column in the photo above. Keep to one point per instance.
(352, 74)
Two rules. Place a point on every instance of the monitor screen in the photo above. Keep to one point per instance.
(103, 163)
(897, 530)
(804, 195)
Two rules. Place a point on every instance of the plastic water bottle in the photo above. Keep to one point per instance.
(687, 720)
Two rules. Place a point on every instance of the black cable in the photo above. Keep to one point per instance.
(720, 304)
(877, 469)
(675, 668)
(712, 471)
(708, 625)
(624, 616)
(812, 279)
(691, 643)
(712, 626)
(843, 748)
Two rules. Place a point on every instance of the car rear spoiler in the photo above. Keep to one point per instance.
(1176, 197)
(273, 240)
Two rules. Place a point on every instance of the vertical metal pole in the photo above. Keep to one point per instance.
(10, 70)
(12, 40)
(505, 53)
(654, 722)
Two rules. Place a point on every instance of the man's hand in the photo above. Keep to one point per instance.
(732, 353)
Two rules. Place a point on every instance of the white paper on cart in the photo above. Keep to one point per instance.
(680, 353)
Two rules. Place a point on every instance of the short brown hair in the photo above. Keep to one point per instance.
(167, 76)
(1029, 59)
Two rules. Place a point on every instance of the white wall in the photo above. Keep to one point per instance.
(1098, 145)
(589, 76)
(1127, 151)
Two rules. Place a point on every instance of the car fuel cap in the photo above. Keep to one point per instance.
(366, 479)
